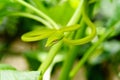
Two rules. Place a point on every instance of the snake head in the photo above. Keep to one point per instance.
(54, 38)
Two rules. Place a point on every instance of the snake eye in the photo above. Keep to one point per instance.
(54, 38)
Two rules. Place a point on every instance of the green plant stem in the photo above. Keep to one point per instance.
(71, 55)
(52, 53)
(75, 18)
(40, 13)
(39, 5)
(68, 64)
(37, 18)
(90, 50)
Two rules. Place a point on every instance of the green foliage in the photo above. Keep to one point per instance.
(61, 13)
(17, 75)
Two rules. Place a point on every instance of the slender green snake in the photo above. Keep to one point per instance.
(54, 35)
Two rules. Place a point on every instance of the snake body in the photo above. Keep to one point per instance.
(86, 39)
(55, 35)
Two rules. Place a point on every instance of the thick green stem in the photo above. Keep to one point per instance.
(76, 16)
(52, 53)
(68, 64)
(40, 13)
(71, 55)
(37, 18)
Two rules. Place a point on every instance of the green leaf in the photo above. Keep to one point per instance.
(17, 75)
(6, 67)
(61, 13)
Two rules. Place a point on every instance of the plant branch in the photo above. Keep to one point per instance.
(52, 53)
(90, 50)
(71, 55)
(40, 13)
(28, 15)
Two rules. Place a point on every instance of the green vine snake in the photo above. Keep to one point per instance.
(54, 35)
